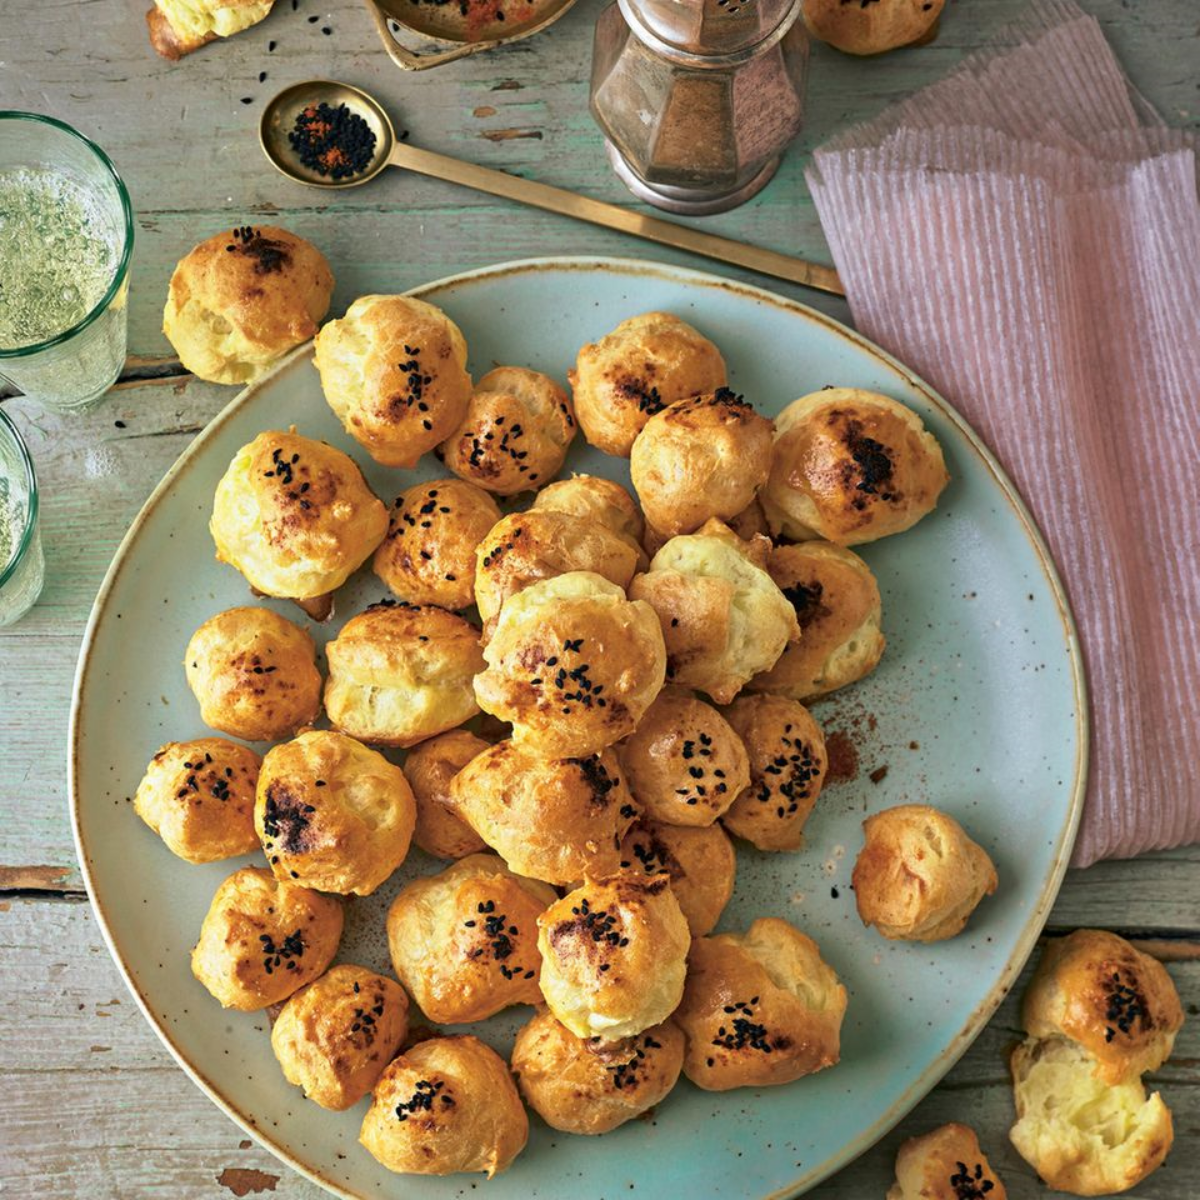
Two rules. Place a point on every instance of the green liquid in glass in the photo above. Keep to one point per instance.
(58, 255)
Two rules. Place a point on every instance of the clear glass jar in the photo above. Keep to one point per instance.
(698, 99)
(22, 568)
(70, 368)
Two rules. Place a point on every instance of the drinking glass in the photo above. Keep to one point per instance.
(22, 568)
(68, 369)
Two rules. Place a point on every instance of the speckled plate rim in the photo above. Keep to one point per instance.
(632, 268)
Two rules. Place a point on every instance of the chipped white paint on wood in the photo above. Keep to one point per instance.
(90, 1104)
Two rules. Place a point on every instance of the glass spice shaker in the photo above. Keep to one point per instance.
(698, 99)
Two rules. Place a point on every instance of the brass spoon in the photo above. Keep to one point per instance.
(279, 117)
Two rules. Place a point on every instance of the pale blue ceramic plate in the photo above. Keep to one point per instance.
(977, 708)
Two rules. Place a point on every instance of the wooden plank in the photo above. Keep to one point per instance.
(138, 1127)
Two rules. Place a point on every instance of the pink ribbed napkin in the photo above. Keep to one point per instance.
(1025, 234)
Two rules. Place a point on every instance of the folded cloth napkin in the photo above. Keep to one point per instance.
(1025, 234)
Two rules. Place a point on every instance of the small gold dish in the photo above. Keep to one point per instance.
(465, 27)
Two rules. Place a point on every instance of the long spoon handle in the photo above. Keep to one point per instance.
(654, 229)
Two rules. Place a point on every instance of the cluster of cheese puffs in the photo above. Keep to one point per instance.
(596, 695)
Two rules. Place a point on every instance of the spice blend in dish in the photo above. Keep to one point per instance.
(332, 140)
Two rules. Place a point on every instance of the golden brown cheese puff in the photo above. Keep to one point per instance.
(526, 547)
(700, 863)
(614, 955)
(332, 814)
(1118, 1004)
(918, 876)
(555, 819)
(400, 673)
(572, 664)
(198, 797)
(447, 1105)
(1080, 1134)
(760, 1008)
(428, 556)
(838, 607)
(296, 517)
(871, 28)
(429, 768)
(751, 522)
(394, 371)
(722, 616)
(599, 499)
(515, 434)
(684, 762)
(645, 364)
(242, 299)
(788, 762)
(850, 466)
(699, 458)
(335, 1036)
(178, 27)
(945, 1164)
(464, 942)
(263, 938)
(254, 674)
(589, 1086)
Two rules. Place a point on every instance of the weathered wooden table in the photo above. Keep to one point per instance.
(90, 1103)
